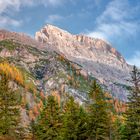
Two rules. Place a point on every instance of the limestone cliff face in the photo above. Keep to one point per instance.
(81, 47)
(97, 57)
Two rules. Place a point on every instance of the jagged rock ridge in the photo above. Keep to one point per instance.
(97, 57)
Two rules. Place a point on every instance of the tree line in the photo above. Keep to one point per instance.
(69, 120)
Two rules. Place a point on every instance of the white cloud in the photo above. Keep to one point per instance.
(54, 18)
(97, 35)
(6, 21)
(135, 60)
(42, 2)
(10, 6)
(116, 21)
(6, 5)
(114, 11)
(97, 2)
(54, 2)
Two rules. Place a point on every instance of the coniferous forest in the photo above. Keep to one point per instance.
(68, 120)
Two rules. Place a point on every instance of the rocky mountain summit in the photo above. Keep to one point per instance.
(59, 59)
(96, 57)
(81, 47)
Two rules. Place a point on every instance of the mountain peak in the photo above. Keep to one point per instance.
(96, 57)
(89, 57)
(53, 27)
(80, 46)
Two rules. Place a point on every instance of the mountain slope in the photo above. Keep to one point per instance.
(47, 70)
(36, 70)
(96, 57)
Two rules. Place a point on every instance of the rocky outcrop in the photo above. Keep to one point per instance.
(80, 46)
(97, 57)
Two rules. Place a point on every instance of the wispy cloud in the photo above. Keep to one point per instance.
(6, 21)
(53, 2)
(7, 5)
(97, 2)
(118, 19)
(16, 4)
(135, 59)
(54, 18)
(42, 2)
(10, 6)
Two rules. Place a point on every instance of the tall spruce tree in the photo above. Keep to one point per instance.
(132, 131)
(49, 124)
(74, 121)
(99, 121)
(117, 129)
(82, 124)
(9, 109)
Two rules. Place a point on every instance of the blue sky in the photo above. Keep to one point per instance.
(117, 21)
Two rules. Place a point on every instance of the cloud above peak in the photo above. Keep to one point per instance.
(114, 11)
(54, 18)
(118, 19)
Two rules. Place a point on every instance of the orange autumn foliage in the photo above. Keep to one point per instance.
(42, 95)
(31, 115)
(119, 106)
(12, 72)
(35, 111)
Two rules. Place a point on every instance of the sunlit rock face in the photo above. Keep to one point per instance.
(81, 47)
(97, 57)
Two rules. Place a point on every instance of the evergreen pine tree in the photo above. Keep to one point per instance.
(99, 121)
(133, 112)
(82, 125)
(9, 109)
(117, 129)
(49, 124)
(74, 121)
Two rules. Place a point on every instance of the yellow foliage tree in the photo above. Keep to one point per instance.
(12, 72)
